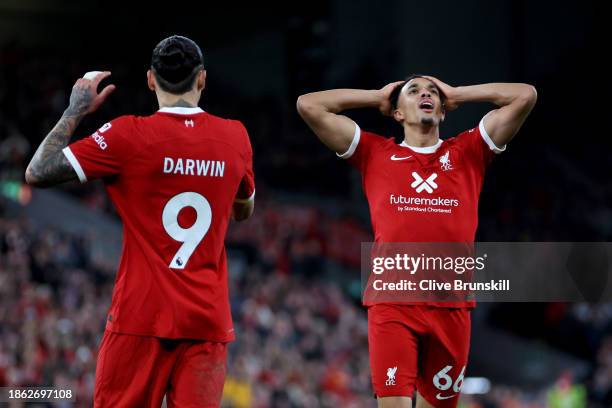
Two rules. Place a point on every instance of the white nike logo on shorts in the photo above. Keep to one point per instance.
(442, 397)
(394, 158)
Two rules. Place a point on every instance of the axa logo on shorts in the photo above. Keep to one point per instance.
(391, 375)
(419, 184)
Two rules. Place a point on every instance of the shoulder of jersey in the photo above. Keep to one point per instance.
(462, 136)
(126, 119)
(230, 123)
(378, 140)
(233, 131)
(376, 137)
(232, 128)
(121, 123)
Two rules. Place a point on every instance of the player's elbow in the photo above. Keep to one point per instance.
(305, 106)
(528, 96)
(35, 179)
(31, 178)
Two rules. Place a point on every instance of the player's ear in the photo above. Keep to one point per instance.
(150, 80)
(443, 113)
(398, 115)
(201, 81)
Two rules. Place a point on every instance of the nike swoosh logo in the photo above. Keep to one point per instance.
(394, 158)
(442, 397)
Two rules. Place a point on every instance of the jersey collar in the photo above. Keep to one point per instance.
(426, 149)
(181, 110)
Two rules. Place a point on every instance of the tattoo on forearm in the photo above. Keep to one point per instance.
(49, 166)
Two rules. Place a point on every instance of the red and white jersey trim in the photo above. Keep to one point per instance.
(75, 164)
(353, 145)
(245, 200)
(426, 149)
(487, 138)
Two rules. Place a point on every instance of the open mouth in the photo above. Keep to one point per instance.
(426, 106)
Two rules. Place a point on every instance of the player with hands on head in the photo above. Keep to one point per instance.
(420, 346)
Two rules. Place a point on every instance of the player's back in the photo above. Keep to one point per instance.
(179, 171)
(182, 184)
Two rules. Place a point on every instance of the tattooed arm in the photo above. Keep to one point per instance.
(49, 166)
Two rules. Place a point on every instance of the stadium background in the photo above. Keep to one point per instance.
(301, 331)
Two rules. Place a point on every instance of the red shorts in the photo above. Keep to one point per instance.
(420, 347)
(137, 371)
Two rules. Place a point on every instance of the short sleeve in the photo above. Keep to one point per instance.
(360, 150)
(479, 146)
(246, 189)
(104, 152)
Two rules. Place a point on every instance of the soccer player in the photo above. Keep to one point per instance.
(423, 346)
(175, 177)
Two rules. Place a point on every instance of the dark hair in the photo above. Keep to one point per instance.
(395, 94)
(175, 63)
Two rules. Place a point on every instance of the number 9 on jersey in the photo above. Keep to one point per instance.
(192, 236)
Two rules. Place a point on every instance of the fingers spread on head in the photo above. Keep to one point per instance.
(435, 80)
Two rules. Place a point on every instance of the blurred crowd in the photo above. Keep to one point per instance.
(53, 302)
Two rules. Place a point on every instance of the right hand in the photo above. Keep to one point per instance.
(450, 93)
(85, 98)
(385, 106)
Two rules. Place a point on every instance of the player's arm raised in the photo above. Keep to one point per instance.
(49, 165)
(320, 111)
(515, 101)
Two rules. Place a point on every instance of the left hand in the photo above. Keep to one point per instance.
(85, 98)
(451, 101)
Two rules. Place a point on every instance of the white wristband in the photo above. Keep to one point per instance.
(91, 74)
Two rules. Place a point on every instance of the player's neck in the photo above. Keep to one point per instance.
(187, 100)
(421, 136)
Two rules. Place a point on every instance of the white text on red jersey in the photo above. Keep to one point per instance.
(194, 167)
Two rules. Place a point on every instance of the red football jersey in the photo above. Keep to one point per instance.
(426, 194)
(173, 178)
